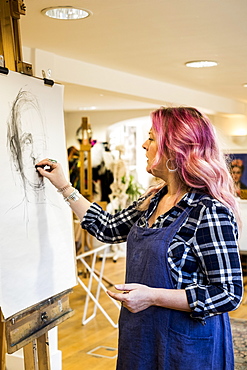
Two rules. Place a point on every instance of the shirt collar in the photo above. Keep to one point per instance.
(191, 198)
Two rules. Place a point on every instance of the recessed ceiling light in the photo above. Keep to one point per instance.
(87, 108)
(201, 63)
(66, 13)
(245, 85)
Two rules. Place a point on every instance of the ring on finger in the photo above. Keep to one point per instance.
(52, 160)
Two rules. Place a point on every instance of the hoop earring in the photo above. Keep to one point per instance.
(169, 169)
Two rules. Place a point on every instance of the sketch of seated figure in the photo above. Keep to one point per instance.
(26, 142)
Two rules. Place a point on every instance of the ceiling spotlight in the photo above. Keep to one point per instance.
(66, 13)
(87, 108)
(201, 63)
(245, 85)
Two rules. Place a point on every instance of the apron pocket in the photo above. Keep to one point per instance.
(185, 353)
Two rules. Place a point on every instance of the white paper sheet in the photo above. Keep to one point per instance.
(37, 258)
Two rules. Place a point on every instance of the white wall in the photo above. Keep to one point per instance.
(66, 70)
(100, 121)
(227, 126)
(232, 131)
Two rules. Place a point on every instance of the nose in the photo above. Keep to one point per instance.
(144, 145)
(36, 154)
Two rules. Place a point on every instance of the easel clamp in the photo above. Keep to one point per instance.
(48, 82)
(4, 70)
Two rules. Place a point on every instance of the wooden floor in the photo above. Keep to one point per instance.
(76, 340)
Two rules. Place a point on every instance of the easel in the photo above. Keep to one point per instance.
(85, 152)
(3, 348)
(86, 178)
(29, 328)
(10, 39)
(87, 191)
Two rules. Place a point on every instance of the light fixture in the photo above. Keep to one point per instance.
(201, 63)
(239, 135)
(87, 108)
(245, 85)
(241, 131)
(66, 13)
(239, 139)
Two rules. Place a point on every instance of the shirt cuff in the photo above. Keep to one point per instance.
(93, 211)
(196, 298)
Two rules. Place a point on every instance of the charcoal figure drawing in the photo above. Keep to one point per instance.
(26, 142)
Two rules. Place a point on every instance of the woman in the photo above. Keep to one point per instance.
(183, 270)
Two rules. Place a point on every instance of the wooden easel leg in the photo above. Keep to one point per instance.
(30, 356)
(43, 352)
(3, 348)
(36, 354)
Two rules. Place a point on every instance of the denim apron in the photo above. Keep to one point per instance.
(158, 338)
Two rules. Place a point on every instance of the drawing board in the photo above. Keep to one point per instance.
(37, 258)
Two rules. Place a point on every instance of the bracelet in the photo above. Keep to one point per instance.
(61, 190)
(75, 195)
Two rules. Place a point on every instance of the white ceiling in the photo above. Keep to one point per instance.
(148, 38)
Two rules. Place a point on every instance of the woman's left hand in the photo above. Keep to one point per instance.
(135, 297)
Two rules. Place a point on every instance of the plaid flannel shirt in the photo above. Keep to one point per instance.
(203, 256)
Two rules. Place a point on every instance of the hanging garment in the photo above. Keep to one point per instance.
(159, 338)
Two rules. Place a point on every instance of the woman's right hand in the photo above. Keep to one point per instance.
(52, 171)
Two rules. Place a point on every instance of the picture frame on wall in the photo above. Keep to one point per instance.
(238, 170)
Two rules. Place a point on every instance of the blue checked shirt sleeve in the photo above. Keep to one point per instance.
(110, 228)
(215, 246)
